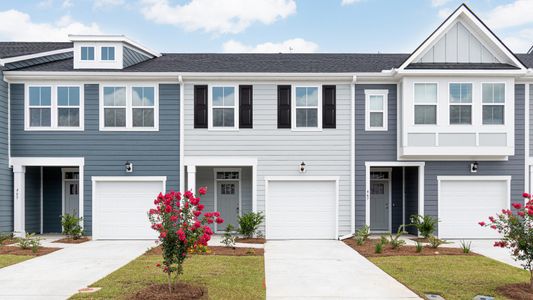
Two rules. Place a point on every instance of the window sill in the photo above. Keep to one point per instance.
(123, 129)
(304, 129)
(53, 129)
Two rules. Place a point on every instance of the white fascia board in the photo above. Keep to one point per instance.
(8, 60)
(47, 161)
(112, 38)
(479, 72)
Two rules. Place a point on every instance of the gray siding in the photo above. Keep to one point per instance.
(280, 151)
(33, 199)
(52, 199)
(6, 174)
(153, 153)
(411, 196)
(131, 57)
(39, 60)
(371, 145)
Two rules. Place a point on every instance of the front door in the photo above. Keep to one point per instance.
(379, 205)
(228, 202)
(72, 198)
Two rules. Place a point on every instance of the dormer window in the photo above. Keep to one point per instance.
(87, 53)
(107, 53)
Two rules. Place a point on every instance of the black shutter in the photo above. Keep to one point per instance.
(246, 106)
(284, 106)
(329, 103)
(200, 106)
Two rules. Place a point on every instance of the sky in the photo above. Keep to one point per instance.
(327, 26)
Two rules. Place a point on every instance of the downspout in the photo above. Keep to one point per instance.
(182, 130)
(352, 150)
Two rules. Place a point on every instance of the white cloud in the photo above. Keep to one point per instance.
(438, 3)
(18, 26)
(296, 45)
(520, 41)
(349, 2)
(444, 13)
(230, 16)
(509, 15)
(108, 3)
(67, 3)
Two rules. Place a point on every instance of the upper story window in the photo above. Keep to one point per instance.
(87, 53)
(376, 110)
(493, 98)
(461, 103)
(54, 107)
(425, 103)
(223, 107)
(125, 107)
(306, 108)
(107, 53)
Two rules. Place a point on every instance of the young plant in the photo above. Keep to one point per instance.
(435, 242)
(363, 233)
(465, 246)
(5, 237)
(378, 248)
(30, 241)
(419, 247)
(395, 240)
(384, 240)
(248, 223)
(229, 238)
(182, 228)
(425, 225)
(72, 226)
(359, 240)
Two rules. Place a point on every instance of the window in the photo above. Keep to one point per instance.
(114, 106)
(223, 107)
(87, 53)
(107, 53)
(493, 98)
(40, 106)
(425, 103)
(143, 106)
(376, 110)
(68, 106)
(307, 107)
(461, 103)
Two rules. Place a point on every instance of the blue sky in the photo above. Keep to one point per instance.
(388, 26)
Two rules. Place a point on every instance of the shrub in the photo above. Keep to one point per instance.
(378, 248)
(5, 236)
(248, 223)
(419, 247)
(30, 241)
(425, 225)
(359, 240)
(395, 240)
(229, 238)
(182, 228)
(465, 246)
(363, 233)
(72, 226)
(435, 242)
(384, 239)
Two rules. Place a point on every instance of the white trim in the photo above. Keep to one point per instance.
(220, 161)
(129, 178)
(181, 85)
(215, 188)
(384, 110)
(63, 180)
(235, 106)
(304, 178)
(504, 104)
(318, 107)
(436, 104)
(13, 59)
(41, 201)
(471, 103)
(527, 186)
(352, 153)
(389, 188)
(111, 38)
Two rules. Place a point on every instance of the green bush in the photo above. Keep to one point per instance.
(30, 241)
(359, 240)
(435, 242)
(72, 226)
(419, 247)
(229, 238)
(363, 233)
(378, 248)
(465, 246)
(395, 240)
(5, 236)
(248, 223)
(425, 225)
(384, 240)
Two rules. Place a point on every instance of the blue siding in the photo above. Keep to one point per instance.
(132, 57)
(153, 153)
(6, 174)
(396, 199)
(32, 203)
(411, 195)
(52, 194)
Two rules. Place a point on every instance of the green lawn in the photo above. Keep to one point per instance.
(226, 277)
(8, 259)
(453, 277)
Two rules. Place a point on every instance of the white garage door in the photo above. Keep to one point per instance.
(464, 203)
(120, 206)
(301, 210)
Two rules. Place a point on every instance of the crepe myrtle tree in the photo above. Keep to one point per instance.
(516, 230)
(182, 228)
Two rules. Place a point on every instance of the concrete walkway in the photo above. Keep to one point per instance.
(62, 273)
(325, 269)
(486, 248)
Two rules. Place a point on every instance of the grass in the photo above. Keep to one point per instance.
(452, 277)
(226, 277)
(8, 259)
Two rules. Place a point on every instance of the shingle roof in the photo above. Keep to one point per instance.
(11, 49)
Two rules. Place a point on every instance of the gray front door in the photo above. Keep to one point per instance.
(228, 202)
(379, 205)
(72, 198)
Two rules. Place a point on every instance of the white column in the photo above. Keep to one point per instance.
(19, 210)
(191, 178)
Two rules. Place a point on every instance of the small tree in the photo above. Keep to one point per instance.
(517, 233)
(72, 226)
(426, 225)
(182, 228)
(249, 223)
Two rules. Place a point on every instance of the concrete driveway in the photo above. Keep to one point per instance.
(62, 273)
(325, 269)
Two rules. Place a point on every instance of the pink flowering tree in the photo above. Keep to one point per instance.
(182, 228)
(516, 231)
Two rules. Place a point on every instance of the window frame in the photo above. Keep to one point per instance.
(88, 47)
(436, 104)
(504, 104)
(385, 110)
(471, 104)
(211, 107)
(294, 87)
(129, 107)
(107, 48)
(54, 112)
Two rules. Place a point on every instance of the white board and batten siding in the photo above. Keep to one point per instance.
(279, 152)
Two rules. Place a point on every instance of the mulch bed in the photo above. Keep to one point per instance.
(517, 291)
(250, 240)
(219, 250)
(368, 250)
(68, 240)
(8, 241)
(15, 250)
(180, 290)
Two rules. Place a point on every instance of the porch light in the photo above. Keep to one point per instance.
(474, 167)
(302, 167)
(128, 166)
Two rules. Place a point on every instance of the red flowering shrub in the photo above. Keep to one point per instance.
(517, 232)
(181, 226)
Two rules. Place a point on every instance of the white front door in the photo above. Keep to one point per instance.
(72, 198)
(228, 202)
(379, 205)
